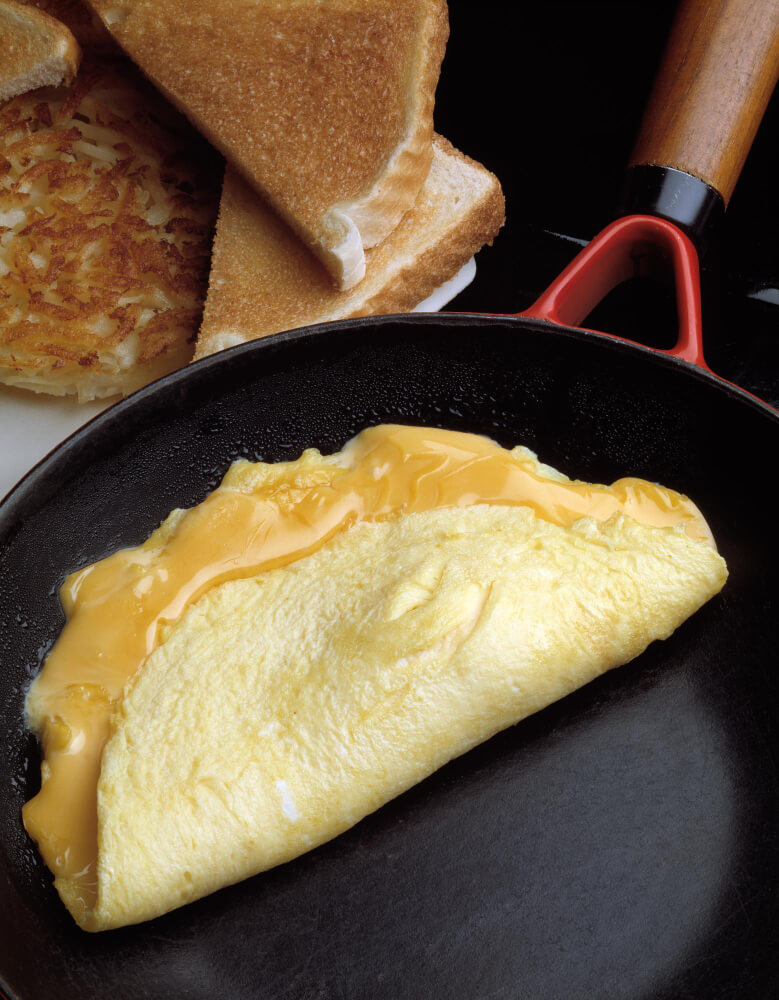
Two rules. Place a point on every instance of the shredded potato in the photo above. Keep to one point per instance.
(107, 205)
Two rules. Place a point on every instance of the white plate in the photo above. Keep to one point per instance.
(32, 424)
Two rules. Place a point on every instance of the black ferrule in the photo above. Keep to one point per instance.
(695, 206)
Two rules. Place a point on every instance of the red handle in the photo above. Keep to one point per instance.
(617, 253)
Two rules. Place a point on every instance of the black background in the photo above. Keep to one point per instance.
(550, 97)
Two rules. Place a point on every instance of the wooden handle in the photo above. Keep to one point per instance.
(717, 75)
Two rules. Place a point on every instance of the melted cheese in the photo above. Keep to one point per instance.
(261, 517)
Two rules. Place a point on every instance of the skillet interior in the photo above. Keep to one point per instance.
(619, 844)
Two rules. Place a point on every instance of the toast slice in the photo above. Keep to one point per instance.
(37, 50)
(107, 203)
(264, 280)
(325, 107)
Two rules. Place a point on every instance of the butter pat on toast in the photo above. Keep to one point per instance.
(325, 107)
(264, 280)
(37, 50)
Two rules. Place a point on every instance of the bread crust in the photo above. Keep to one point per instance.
(443, 259)
(38, 50)
(379, 209)
(87, 28)
(325, 108)
(263, 281)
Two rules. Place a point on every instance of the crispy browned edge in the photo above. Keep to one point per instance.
(31, 370)
(72, 51)
(87, 28)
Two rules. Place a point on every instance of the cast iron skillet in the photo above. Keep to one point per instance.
(620, 844)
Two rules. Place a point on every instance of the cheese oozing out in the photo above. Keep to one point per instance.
(261, 517)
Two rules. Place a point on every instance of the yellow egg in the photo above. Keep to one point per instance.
(318, 636)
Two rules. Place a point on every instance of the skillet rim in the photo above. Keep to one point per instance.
(18, 493)
(23, 491)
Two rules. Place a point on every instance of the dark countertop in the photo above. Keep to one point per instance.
(550, 97)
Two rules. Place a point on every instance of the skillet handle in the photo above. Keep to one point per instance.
(718, 72)
(617, 253)
(719, 69)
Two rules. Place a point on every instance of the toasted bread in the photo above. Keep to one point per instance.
(264, 280)
(105, 231)
(38, 51)
(326, 108)
(88, 30)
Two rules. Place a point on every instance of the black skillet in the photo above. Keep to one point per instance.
(620, 844)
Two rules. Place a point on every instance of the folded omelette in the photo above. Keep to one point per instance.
(317, 636)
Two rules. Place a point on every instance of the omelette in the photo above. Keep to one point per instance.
(317, 636)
